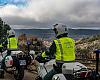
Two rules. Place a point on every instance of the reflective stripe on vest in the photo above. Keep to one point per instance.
(12, 43)
(65, 49)
(60, 46)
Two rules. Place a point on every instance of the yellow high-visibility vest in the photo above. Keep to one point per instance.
(1, 45)
(12, 43)
(65, 49)
(44, 54)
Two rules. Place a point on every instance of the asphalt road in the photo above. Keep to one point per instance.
(27, 76)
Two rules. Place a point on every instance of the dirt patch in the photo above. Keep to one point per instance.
(28, 76)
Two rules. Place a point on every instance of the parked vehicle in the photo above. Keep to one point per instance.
(70, 71)
(16, 63)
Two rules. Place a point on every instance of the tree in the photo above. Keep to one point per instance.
(3, 30)
(1, 24)
(6, 27)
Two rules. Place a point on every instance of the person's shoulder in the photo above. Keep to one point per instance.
(55, 40)
(70, 38)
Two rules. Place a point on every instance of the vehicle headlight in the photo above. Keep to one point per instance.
(56, 78)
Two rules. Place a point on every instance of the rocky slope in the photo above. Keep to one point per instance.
(85, 50)
(86, 47)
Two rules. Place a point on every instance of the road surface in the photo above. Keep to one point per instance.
(27, 76)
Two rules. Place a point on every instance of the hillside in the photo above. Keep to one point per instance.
(85, 49)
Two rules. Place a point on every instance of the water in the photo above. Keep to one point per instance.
(41, 33)
(82, 33)
(49, 34)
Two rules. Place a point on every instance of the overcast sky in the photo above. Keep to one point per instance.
(44, 13)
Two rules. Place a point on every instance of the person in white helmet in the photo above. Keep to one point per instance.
(12, 41)
(62, 48)
(11, 45)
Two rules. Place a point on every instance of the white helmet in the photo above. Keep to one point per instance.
(11, 32)
(60, 29)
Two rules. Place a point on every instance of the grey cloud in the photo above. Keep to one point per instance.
(44, 13)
